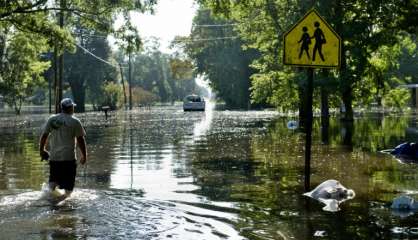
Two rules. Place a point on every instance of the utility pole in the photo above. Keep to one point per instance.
(59, 62)
(61, 59)
(56, 76)
(123, 85)
(308, 127)
(130, 81)
(49, 91)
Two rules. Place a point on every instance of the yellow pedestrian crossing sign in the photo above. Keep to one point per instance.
(312, 42)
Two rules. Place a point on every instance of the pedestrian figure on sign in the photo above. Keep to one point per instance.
(319, 40)
(306, 41)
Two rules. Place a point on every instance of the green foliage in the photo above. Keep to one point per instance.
(112, 95)
(21, 70)
(405, 67)
(365, 27)
(221, 60)
(162, 77)
(39, 20)
(150, 73)
(127, 37)
(181, 69)
(142, 97)
(275, 88)
(390, 66)
(86, 73)
(39, 16)
(260, 25)
(183, 78)
(397, 98)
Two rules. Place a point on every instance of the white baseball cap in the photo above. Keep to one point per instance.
(67, 102)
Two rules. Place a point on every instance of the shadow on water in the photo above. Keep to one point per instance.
(166, 174)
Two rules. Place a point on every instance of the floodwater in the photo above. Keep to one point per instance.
(166, 174)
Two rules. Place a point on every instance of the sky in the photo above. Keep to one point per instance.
(171, 18)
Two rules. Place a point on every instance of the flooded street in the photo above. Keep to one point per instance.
(168, 174)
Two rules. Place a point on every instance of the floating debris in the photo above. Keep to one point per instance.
(332, 194)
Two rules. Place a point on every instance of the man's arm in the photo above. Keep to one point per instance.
(82, 145)
(42, 142)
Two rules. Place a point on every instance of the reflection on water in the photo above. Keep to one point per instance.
(201, 127)
(167, 174)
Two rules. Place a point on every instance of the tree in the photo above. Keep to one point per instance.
(129, 42)
(363, 25)
(217, 54)
(261, 25)
(143, 97)
(393, 66)
(155, 76)
(21, 70)
(169, 77)
(38, 17)
(111, 96)
(182, 75)
(85, 72)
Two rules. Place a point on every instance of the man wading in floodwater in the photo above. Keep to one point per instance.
(63, 131)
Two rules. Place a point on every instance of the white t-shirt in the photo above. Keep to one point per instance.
(63, 130)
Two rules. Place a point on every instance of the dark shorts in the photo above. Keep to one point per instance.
(63, 173)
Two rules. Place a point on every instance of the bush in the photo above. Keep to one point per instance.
(112, 95)
(397, 98)
(142, 97)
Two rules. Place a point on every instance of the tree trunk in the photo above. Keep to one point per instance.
(79, 95)
(324, 103)
(123, 85)
(347, 133)
(324, 116)
(247, 85)
(347, 96)
(380, 88)
(50, 75)
(2, 49)
(346, 90)
(61, 58)
(130, 82)
(55, 66)
(345, 81)
(302, 107)
(18, 105)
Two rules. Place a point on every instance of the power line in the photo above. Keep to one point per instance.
(205, 39)
(185, 40)
(91, 35)
(191, 40)
(97, 57)
(215, 25)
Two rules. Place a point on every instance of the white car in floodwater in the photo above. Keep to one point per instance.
(193, 103)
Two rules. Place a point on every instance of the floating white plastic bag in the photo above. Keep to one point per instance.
(331, 193)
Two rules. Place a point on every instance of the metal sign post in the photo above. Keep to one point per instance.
(308, 127)
(311, 43)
